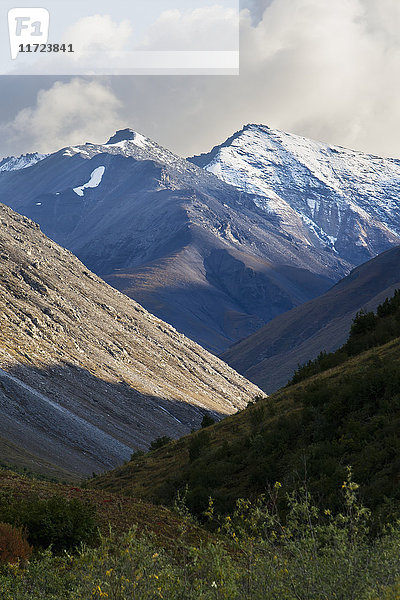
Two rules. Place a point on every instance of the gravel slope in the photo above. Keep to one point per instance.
(94, 374)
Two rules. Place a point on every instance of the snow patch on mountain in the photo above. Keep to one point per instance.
(94, 181)
(130, 144)
(72, 150)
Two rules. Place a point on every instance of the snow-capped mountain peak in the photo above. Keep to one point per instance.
(212, 260)
(340, 195)
(129, 135)
(127, 143)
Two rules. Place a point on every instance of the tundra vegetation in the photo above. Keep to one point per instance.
(253, 553)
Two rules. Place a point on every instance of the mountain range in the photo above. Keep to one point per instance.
(222, 244)
(87, 375)
(12, 163)
(193, 250)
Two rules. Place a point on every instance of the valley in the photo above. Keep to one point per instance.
(180, 477)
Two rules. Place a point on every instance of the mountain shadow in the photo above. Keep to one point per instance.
(66, 418)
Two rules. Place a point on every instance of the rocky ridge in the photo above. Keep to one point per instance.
(87, 375)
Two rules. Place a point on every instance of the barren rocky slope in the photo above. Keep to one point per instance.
(87, 375)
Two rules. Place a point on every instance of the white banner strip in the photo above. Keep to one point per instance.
(183, 60)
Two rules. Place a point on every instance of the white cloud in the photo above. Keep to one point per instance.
(98, 33)
(329, 70)
(325, 69)
(207, 28)
(67, 113)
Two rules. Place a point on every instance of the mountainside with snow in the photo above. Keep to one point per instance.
(195, 251)
(338, 199)
(13, 163)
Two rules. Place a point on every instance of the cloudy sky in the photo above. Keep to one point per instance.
(326, 69)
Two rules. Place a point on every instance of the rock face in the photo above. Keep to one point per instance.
(200, 254)
(86, 374)
(270, 356)
(338, 199)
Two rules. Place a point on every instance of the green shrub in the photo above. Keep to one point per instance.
(198, 444)
(137, 454)
(207, 421)
(367, 331)
(56, 522)
(311, 554)
(362, 323)
(159, 442)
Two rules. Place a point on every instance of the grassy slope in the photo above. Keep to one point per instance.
(119, 512)
(368, 330)
(349, 415)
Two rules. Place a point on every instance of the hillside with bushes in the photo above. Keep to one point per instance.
(368, 330)
(263, 505)
(253, 554)
(311, 431)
